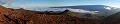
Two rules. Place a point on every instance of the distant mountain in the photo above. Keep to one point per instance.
(105, 10)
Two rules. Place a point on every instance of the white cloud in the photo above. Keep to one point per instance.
(6, 3)
(83, 11)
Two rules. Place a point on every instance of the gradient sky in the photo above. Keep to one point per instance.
(52, 3)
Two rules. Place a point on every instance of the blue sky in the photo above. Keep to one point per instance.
(52, 3)
(33, 3)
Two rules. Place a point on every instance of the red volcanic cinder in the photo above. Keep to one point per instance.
(17, 16)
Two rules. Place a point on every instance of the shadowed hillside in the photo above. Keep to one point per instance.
(21, 16)
(113, 19)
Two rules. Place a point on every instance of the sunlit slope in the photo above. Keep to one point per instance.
(21, 16)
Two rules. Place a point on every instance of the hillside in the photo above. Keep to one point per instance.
(113, 19)
(21, 16)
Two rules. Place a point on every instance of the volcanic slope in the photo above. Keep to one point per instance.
(21, 16)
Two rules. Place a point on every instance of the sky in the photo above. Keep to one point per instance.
(53, 3)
